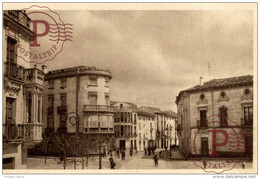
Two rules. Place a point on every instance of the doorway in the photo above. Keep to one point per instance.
(204, 146)
(122, 144)
(10, 118)
(8, 163)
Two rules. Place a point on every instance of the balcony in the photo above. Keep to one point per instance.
(99, 131)
(202, 123)
(97, 108)
(13, 71)
(62, 110)
(34, 76)
(33, 132)
(14, 133)
(247, 123)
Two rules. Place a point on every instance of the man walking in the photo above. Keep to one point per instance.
(155, 158)
(112, 163)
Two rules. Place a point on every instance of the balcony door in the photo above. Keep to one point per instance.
(204, 146)
(10, 117)
(248, 116)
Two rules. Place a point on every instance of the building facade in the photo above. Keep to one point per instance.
(82, 92)
(164, 127)
(125, 121)
(22, 92)
(204, 110)
(146, 126)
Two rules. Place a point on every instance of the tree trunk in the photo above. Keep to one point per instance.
(64, 167)
(87, 161)
(100, 166)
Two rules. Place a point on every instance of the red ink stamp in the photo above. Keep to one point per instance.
(217, 144)
(49, 34)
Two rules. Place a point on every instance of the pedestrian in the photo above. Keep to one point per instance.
(118, 153)
(145, 151)
(123, 155)
(112, 163)
(243, 164)
(155, 158)
(131, 152)
(204, 163)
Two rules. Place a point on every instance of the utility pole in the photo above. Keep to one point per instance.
(209, 70)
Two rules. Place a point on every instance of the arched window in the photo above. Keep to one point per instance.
(223, 116)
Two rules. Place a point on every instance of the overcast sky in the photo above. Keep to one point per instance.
(155, 54)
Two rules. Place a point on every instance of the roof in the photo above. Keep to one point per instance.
(170, 113)
(144, 113)
(72, 71)
(219, 84)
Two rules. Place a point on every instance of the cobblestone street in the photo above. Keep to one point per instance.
(135, 162)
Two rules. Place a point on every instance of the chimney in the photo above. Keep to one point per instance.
(201, 81)
(44, 69)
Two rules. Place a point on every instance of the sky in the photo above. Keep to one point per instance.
(153, 55)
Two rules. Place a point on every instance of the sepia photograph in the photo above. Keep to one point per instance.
(129, 88)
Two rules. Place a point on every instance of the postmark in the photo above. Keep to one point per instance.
(49, 34)
(217, 144)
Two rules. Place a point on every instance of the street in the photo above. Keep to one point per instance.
(135, 162)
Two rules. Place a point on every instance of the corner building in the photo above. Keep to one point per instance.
(125, 125)
(22, 93)
(229, 101)
(83, 91)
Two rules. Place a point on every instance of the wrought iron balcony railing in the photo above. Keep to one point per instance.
(97, 108)
(247, 122)
(62, 110)
(34, 75)
(14, 71)
(22, 132)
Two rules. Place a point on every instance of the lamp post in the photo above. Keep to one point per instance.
(73, 118)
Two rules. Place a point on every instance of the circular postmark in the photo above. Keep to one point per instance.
(46, 32)
(216, 144)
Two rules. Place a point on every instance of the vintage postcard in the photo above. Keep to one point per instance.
(129, 88)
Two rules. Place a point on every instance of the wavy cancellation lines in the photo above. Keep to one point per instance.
(61, 32)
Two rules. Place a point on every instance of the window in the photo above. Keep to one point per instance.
(139, 126)
(106, 81)
(203, 118)
(121, 106)
(11, 50)
(202, 96)
(122, 130)
(51, 84)
(121, 116)
(223, 94)
(63, 82)
(223, 116)
(247, 91)
(39, 109)
(92, 80)
(107, 99)
(248, 115)
(29, 108)
(63, 99)
(11, 58)
(92, 98)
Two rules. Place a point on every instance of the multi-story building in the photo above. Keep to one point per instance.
(170, 130)
(83, 92)
(217, 105)
(22, 92)
(125, 121)
(146, 130)
(164, 127)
